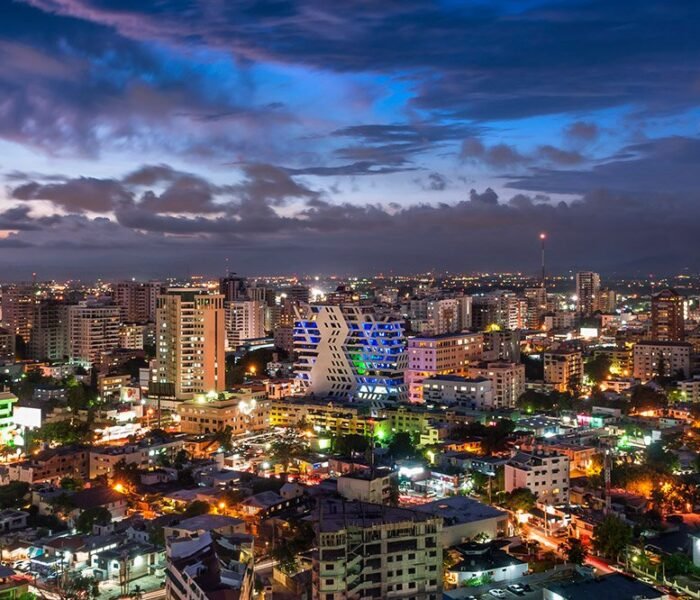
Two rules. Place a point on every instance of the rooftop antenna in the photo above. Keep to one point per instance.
(543, 237)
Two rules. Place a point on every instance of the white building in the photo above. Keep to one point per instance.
(508, 381)
(462, 391)
(690, 388)
(93, 329)
(653, 358)
(245, 320)
(448, 354)
(546, 474)
(368, 486)
(347, 350)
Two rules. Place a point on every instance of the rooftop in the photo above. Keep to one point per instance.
(609, 587)
(336, 515)
(456, 510)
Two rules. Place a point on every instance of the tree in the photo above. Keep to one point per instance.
(403, 445)
(520, 499)
(79, 587)
(12, 495)
(611, 536)
(353, 443)
(72, 484)
(196, 508)
(597, 368)
(126, 473)
(90, 517)
(285, 450)
(224, 437)
(574, 551)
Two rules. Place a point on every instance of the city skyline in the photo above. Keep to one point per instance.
(299, 137)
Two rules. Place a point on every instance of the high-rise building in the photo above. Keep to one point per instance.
(191, 341)
(376, 551)
(587, 291)
(347, 350)
(607, 301)
(667, 322)
(245, 320)
(233, 288)
(138, 300)
(429, 356)
(299, 293)
(93, 329)
(18, 301)
(536, 299)
(49, 337)
(564, 369)
(7, 346)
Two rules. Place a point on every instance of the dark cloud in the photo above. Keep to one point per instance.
(503, 156)
(667, 165)
(352, 169)
(581, 131)
(84, 193)
(434, 182)
(480, 61)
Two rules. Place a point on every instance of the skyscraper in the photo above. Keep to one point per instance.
(191, 341)
(587, 291)
(667, 322)
(49, 335)
(245, 320)
(137, 300)
(18, 302)
(93, 328)
(347, 350)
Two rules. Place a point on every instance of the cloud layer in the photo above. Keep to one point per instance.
(306, 135)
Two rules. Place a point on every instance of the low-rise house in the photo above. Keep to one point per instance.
(484, 562)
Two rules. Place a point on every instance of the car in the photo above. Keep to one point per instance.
(497, 593)
(527, 588)
(516, 588)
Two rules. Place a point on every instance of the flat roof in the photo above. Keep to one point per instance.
(609, 587)
(460, 509)
(336, 515)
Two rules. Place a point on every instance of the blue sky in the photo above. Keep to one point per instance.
(142, 138)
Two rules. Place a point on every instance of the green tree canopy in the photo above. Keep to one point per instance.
(196, 508)
(520, 499)
(611, 536)
(597, 368)
(98, 515)
(574, 551)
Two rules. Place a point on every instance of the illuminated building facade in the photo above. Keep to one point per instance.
(348, 351)
(587, 292)
(191, 341)
(666, 359)
(447, 354)
(243, 413)
(564, 369)
(667, 322)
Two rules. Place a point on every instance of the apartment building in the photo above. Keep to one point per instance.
(507, 381)
(544, 473)
(448, 354)
(209, 566)
(243, 412)
(104, 458)
(376, 551)
(461, 391)
(93, 330)
(655, 358)
(370, 485)
(564, 369)
(191, 341)
(51, 466)
(245, 320)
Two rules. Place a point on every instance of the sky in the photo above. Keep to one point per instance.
(160, 138)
